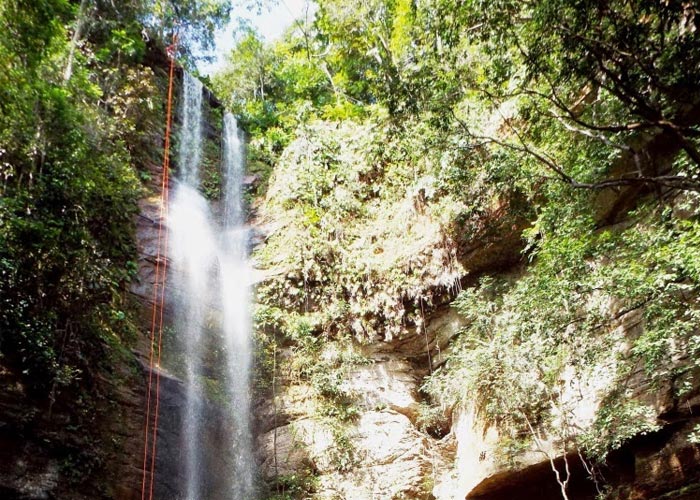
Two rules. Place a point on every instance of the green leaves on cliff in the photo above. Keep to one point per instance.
(68, 153)
(599, 310)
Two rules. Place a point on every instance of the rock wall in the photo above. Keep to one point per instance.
(385, 455)
(393, 457)
(388, 449)
(169, 476)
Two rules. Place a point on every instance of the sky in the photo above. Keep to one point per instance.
(270, 23)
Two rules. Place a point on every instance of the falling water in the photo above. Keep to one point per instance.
(192, 244)
(196, 255)
(235, 279)
(190, 149)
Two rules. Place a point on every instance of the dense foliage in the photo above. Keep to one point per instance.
(68, 194)
(81, 117)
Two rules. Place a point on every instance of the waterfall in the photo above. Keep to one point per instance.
(191, 245)
(235, 300)
(210, 269)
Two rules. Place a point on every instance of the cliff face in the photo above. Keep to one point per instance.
(377, 452)
(356, 308)
(170, 481)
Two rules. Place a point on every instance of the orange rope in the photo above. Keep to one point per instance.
(158, 301)
(165, 268)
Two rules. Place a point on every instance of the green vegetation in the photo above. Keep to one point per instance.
(291, 486)
(292, 352)
(534, 163)
(81, 119)
(68, 200)
(402, 139)
(569, 319)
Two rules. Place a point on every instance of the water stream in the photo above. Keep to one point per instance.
(235, 299)
(210, 272)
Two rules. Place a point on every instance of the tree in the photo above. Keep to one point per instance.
(618, 77)
(67, 198)
(194, 20)
(363, 43)
(248, 75)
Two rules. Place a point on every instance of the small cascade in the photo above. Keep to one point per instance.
(209, 271)
(190, 147)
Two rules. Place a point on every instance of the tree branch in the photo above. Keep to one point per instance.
(670, 181)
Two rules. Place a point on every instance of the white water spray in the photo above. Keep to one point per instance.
(235, 300)
(196, 254)
(191, 245)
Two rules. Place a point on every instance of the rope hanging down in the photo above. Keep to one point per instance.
(151, 428)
